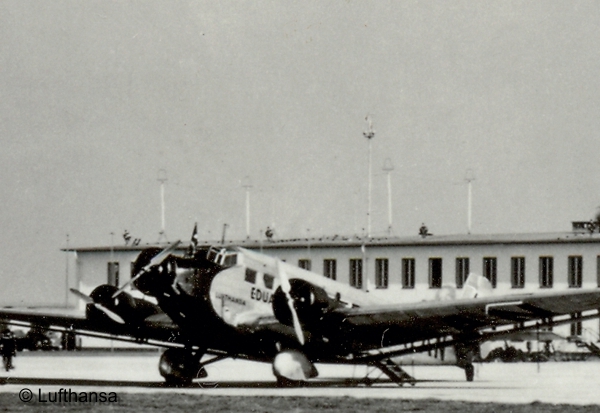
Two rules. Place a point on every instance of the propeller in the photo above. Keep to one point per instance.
(89, 300)
(156, 260)
(286, 288)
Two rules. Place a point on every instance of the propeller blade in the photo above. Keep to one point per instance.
(111, 314)
(86, 298)
(286, 288)
(156, 260)
(89, 300)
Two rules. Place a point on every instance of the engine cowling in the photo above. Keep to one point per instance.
(310, 301)
(130, 309)
(159, 278)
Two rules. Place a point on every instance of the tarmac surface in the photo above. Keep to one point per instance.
(551, 382)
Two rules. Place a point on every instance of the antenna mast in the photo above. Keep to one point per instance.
(369, 134)
(388, 167)
(247, 184)
(469, 177)
(162, 178)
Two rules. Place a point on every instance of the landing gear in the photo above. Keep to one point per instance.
(282, 382)
(179, 367)
(292, 368)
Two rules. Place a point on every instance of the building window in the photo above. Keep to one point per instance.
(304, 264)
(356, 273)
(576, 327)
(250, 276)
(575, 271)
(330, 268)
(462, 271)
(490, 267)
(546, 272)
(408, 273)
(435, 273)
(381, 272)
(517, 271)
(113, 273)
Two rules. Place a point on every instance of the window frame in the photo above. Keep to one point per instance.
(436, 269)
(462, 265)
(546, 271)
(356, 273)
(330, 268)
(408, 273)
(382, 271)
(517, 272)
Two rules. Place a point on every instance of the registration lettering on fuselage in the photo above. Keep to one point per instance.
(234, 296)
(260, 295)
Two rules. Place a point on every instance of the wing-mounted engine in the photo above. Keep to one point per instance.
(103, 305)
(310, 302)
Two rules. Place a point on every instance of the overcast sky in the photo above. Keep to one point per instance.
(97, 96)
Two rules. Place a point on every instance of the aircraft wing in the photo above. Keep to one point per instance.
(478, 318)
(157, 329)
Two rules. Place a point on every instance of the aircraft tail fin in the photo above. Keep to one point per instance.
(477, 286)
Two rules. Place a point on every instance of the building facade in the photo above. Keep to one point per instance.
(410, 268)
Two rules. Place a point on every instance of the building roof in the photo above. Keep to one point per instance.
(391, 241)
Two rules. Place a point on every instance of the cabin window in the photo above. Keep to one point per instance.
(329, 268)
(435, 273)
(408, 273)
(113, 273)
(490, 267)
(462, 271)
(381, 272)
(575, 271)
(269, 281)
(250, 276)
(546, 272)
(517, 271)
(304, 264)
(356, 272)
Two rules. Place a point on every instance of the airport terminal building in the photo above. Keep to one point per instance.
(415, 268)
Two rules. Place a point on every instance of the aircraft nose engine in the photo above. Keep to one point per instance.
(310, 302)
(152, 279)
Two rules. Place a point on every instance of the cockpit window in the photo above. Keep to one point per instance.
(222, 257)
(250, 276)
(211, 255)
(230, 260)
(269, 280)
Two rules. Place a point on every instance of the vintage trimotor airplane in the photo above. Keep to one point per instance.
(232, 302)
